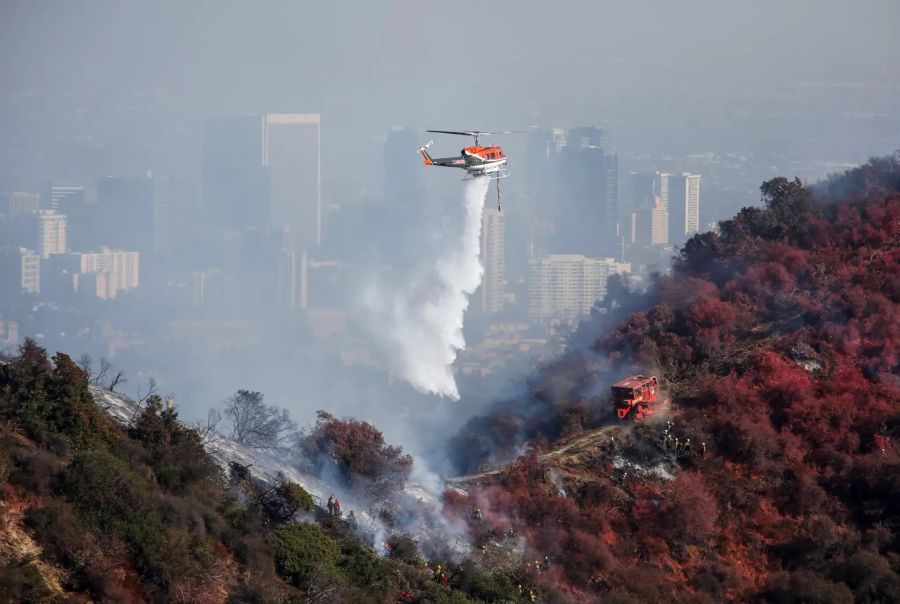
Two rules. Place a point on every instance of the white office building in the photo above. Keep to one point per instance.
(51, 233)
(492, 258)
(566, 286)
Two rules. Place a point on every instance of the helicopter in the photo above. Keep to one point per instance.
(478, 161)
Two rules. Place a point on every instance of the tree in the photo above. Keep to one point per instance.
(208, 431)
(86, 364)
(107, 376)
(255, 424)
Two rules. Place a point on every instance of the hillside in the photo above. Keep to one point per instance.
(778, 340)
(106, 500)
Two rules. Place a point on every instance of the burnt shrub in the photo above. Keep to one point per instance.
(33, 470)
(805, 587)
(358, 451)
(870, 576)
(21, 581)
(403, 549)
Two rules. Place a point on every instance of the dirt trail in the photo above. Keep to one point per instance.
(576, 445)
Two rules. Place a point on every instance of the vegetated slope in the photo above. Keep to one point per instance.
(778, 339)
(103, 501)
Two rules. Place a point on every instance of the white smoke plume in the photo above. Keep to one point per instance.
(420, 320)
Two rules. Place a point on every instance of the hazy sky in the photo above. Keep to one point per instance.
(117, 87)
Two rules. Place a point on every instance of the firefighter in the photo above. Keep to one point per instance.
(687, 447)
(476, 514)
(532, 595)
(702, 450)
(545, 565)
(677, 446)
(337, 508)
(352, 521)
(331, 505)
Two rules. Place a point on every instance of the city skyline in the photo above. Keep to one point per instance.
(186, 133)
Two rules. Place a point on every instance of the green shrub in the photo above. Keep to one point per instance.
(493, 587)
(435, 593)
(297, 497)
(360, 564)
(176, 451)
(303, 551)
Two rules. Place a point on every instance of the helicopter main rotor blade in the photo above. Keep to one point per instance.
(476, 132)
(470, 133)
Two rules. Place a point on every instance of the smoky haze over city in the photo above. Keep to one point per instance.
(222, 196)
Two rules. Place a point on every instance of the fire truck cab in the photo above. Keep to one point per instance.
(636, 397)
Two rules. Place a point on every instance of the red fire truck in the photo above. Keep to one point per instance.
(637, 396)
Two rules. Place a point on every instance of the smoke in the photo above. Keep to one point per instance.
(419, 320)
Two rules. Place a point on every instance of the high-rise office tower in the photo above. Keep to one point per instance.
(402, 171)
(649, 225)
(642, 189)
(659, 223)
(270, 268)
(81, 214)
(492, 257)
(126, 213)
(647, 185)
(683, 207)
(21, 204)
(541, 167)
(175, 214)
(61, 197)
(20, 270)
(236, 188)
(661, 187)
(292, 153)
(588, 189)
(584, 136)
(51, 228)
(649, 202)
